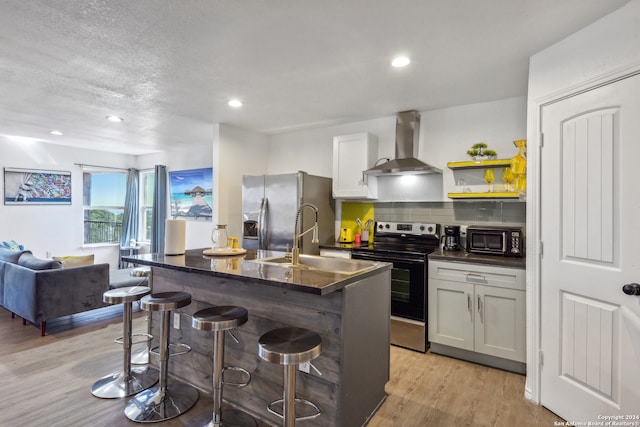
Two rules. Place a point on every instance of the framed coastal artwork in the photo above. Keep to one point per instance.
(191, 193)
(36, 187)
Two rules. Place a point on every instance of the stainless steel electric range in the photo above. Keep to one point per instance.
(406, 246)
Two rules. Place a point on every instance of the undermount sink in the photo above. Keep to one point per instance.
(314, 262)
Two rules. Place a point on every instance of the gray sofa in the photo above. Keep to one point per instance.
(39, 290)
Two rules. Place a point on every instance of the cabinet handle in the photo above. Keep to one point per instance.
(468, 302)
(475, 276)
(480, 308)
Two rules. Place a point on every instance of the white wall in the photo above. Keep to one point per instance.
(55, 230)
(236, 152)
(445, 136)
(606, 49)
(311, 150)
(607, 46)
(194, 157)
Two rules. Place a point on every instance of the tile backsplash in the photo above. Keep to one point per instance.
(454, 213)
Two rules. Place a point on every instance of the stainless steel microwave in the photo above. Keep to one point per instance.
(503, 241)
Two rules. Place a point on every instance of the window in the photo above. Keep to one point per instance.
(146, 213)
(103, 199)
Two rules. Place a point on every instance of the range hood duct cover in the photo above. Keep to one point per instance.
(407, 137)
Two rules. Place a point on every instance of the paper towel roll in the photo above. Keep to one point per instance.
(174, 237)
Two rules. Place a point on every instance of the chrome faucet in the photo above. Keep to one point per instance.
(297, 234)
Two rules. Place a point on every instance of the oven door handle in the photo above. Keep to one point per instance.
(385, 258)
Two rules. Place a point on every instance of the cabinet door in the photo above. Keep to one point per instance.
(451, 313)
(352, 154)
(500, 322)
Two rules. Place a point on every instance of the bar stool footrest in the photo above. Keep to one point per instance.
(270, 408)
(236, 369)
(172, 349)
(147, 338)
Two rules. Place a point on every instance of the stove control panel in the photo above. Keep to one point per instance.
(407, 228)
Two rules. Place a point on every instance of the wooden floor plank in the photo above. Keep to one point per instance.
(46, 382)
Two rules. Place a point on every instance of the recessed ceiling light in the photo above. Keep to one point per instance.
(235, 103)
(400, 61)
(115, 119)
(55, 132)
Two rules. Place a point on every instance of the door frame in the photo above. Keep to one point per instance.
(534, 246)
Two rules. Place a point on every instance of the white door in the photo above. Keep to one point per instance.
(590, 230)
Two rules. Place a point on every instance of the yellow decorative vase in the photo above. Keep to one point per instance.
(519, 166)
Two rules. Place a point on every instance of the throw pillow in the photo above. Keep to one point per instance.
(29, 261)
(12, 245)
(8, 255)
(75, 260)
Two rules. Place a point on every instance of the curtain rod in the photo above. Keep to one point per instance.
(102, 167)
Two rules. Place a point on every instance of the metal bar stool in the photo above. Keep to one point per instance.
(220, 319)
(163, 401)
(128, 381)
(290, 347)
(141, 355)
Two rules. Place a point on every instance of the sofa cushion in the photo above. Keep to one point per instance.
(29, 261)
(75, 260)
(8, 255)
(12, 245)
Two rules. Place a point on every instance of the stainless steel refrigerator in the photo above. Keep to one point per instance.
(270, 204)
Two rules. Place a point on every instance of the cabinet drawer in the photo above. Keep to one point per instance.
(479, 274)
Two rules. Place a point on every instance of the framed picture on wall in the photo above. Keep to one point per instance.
(191, 193)
(34, 187)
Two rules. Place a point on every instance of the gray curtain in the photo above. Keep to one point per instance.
(159, 209)
(131, 209)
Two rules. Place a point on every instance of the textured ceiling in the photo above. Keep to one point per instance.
(169, 67)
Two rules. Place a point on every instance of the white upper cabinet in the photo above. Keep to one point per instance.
(353, 154)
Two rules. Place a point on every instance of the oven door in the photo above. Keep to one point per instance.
(408, 283)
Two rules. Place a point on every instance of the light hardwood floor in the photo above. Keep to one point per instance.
(45, 381)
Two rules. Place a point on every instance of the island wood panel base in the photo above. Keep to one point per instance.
(353, 324)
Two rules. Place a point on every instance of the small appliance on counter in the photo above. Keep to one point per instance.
(504, 241)
(451, 238)
(346, 235)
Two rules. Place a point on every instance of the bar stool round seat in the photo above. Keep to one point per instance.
(128, 381)
(220, 319)
(141, 272)
(164, 401)
(165, 301)
(289, 347)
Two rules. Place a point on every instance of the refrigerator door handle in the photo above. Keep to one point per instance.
(262, 224)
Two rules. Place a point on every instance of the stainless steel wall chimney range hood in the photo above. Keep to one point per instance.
(405, 162)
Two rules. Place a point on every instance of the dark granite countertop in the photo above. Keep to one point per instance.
(464, 256)
(441, 255)
(242, 267)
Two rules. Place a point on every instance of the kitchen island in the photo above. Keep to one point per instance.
(349, 306)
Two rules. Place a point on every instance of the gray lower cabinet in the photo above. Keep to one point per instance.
(477, 313)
